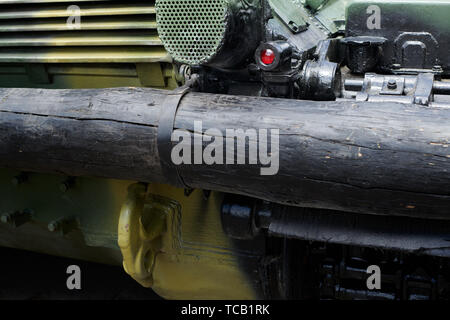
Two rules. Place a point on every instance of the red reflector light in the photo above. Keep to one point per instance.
(267, 56)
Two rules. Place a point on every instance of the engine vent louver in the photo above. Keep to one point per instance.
(111, 31)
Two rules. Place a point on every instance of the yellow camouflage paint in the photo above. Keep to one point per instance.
(183, 253)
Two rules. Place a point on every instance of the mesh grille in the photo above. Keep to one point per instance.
(193, 31)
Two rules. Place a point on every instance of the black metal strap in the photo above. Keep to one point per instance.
(165, 130)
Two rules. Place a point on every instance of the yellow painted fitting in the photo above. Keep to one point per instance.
(141, 225)
(175, 244)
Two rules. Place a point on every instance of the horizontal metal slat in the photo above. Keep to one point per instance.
(112, 31)
(85, 11)
(87, 38)
(50, 1)
(84, 55)
(109, 23)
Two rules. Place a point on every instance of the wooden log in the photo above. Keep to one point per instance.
(387, 158)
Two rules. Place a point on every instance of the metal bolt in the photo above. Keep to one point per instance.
(206, 194)
(6, 218)
(54, 226)
(188, 192)
(64, 187)
(63, 225)
(437, 68)
(392, 84)
(19, 179)
(264, 217)
(17, 218)
(67, 184)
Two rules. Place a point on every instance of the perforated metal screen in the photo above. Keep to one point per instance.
(193, 31)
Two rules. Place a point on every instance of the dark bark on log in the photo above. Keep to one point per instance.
(357, 157)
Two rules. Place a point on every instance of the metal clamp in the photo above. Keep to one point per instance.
(165, 130)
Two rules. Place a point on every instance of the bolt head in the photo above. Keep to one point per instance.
(437, 68)
(63, 187)
(392, 84)
(53, 226)
(5, 218)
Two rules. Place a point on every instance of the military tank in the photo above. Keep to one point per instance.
(232, 149)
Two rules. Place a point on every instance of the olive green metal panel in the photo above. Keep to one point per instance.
(117, 45)
(96, 202)
(288, 11)
(108, 31)
(426, 13)
(329, 14)
(159, 75)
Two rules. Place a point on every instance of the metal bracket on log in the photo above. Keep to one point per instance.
(165, 130)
